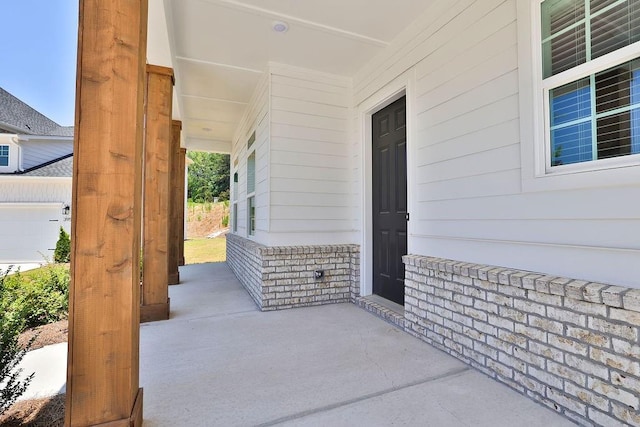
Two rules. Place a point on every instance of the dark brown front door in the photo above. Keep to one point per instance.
(389, 170)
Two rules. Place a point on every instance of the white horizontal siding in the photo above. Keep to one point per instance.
(23, 189)
(310, 167)
(287, 186)
(487, 139)
(438, 29)
(537, 206)
(467, 123)
(37, 152)
(575, 232)
(466, 196)
(301, 133)
(501, 183)
(594, 264)
(255, 119)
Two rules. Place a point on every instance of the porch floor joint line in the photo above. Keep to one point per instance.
(303, 414)
(191, 319)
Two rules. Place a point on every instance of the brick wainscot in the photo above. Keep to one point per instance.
(285, 276)
(569, 344)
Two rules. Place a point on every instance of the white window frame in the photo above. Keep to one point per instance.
(537, 174)
(234, 197)
(251, 196)
(251, 201)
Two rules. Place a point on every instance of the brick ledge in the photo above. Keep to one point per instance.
(600, 293)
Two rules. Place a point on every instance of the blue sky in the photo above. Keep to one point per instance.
(38, 51)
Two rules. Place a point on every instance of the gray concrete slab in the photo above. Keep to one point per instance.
(26, 266)
(50, 367)
(220, 362)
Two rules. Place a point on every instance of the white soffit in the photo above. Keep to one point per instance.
(220, 48)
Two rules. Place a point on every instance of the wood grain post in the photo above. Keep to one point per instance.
(182, 199)
(156, 208)
(175, 204)
(104, 295)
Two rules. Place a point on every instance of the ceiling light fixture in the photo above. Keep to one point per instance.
(280, 26)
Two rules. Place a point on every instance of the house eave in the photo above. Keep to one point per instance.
(28, 137)
(21, 177)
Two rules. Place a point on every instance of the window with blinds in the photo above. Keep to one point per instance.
(4, 155)
(591, 79)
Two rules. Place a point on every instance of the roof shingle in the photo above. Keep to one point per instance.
(18, 117)
(62, 167)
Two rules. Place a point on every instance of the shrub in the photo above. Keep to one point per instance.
(63, 247)
(10, 353)
(224, 195)
(225, 220)
(39, 297)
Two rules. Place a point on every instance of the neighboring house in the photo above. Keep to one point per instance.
(36, 159)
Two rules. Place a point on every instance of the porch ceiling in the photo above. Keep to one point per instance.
(220, 48)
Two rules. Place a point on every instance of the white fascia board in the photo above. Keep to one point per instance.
(31, 204)
(27, 138)
(20, 177)
(209, 145)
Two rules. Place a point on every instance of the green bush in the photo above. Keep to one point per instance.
(63, 247)
(225, 220)
(39, 297)
(10, 353)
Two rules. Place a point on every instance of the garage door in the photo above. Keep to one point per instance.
(29, 232)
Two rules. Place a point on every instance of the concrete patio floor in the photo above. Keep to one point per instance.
(220, 362)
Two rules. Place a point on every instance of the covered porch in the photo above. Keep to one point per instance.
(543, 299)
(221, 361)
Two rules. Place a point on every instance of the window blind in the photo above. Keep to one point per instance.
(596, 117)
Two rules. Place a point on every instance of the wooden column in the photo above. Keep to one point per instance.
(157, 151)
(175, 204)
(104, 296)
(182, 198)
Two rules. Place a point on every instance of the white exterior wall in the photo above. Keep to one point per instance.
(256, 119)
(459, 67)
(30, 217)
(14, 153)
(310, 188)
(31, 189)
(39, 150)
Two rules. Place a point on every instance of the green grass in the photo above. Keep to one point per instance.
(197, 251)
(37, 271)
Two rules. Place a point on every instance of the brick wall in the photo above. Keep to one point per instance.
(244, 258)
(568, 344)
(355, 273)
(283, 276)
